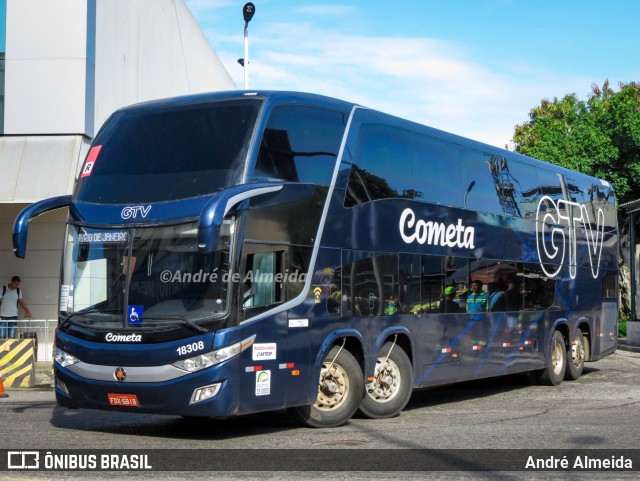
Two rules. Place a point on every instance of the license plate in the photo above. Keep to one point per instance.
(127, 400)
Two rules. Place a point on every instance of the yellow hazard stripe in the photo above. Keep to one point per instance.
(17, 362)
(10, 380)
(16, 348)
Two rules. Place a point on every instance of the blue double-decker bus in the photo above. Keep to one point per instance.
(237, 252)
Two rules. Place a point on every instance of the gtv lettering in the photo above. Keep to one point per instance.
(552, 241)
(133, 211)
(435, 233)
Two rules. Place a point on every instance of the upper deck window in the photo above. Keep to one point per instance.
(300, 144)
(169, 153)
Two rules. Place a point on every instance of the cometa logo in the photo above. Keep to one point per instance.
(111, 337)
(435, 233)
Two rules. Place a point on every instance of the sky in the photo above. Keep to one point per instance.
(471, 67)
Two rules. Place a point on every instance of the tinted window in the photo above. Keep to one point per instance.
(383, 164)
(437, 166)
(392, 162)
(609, 286)
(499, 185)
(538, 290)
(409, 278)
(370, 286)
(486, 182)
(595, 195)
(300, 144)
(159, 154)
(522, 178)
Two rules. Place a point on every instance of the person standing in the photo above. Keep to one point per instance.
(447, 304)
(9, 301)
(478, 300)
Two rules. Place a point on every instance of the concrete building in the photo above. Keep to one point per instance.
(66, 66)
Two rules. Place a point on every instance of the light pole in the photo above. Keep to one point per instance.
(248, 11)
(473, 182)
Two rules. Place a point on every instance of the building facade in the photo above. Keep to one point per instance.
(66, 65)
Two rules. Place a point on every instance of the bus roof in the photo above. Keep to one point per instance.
(281, 97)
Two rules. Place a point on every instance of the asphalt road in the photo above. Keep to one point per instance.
(601, 410)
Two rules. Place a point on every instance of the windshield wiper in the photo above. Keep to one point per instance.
(184, 320)
(87, 311)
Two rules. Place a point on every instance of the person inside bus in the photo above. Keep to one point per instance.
(497, 299)
(513, 296)
(478, 300)
(447, 304)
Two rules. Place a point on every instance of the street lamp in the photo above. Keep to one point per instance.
(248, 11)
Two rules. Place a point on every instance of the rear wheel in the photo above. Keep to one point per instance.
(340, 390)
(575, 357)
(553, 374)
(392, 384)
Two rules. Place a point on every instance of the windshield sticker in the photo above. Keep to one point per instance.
(264, 351)
(90, 237)
(263, 383)
(91, 161)
(134, 314)
(64, 296)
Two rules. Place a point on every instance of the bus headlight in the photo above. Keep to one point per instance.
(203, 361)
(64, 358)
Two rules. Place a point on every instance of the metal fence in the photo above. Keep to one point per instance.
(43, 332)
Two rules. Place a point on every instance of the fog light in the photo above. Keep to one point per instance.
(205, 392)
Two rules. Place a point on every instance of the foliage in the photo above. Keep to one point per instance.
(599, 136)
(622, 328)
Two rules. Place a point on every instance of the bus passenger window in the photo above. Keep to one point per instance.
(538, 289)
(609, 283)
(300, 144)
(371, 287)
(409, 281)
(431, 284)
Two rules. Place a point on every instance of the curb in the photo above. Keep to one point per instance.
(628, 347)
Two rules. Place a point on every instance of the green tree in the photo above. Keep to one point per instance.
(599, 136)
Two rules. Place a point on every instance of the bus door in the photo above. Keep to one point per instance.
(273, 275)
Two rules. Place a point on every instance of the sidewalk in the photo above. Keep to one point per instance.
(43, 375)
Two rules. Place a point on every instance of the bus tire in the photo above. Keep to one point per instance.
(340, 390)
(575, 357)
(553, 374)
(392, 386)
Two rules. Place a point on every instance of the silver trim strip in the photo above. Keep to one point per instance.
(143, 374)
(236, 199)
(305, 290)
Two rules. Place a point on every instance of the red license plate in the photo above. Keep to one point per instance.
(125, 400)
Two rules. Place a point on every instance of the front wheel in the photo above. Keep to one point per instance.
(553, 374)
(575, 358)
(340, 390)
(392, 384)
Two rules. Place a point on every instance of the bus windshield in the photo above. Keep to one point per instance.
(155, 272)
(194, 150)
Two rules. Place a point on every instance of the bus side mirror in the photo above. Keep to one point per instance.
(21, 224)
(218, 207)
